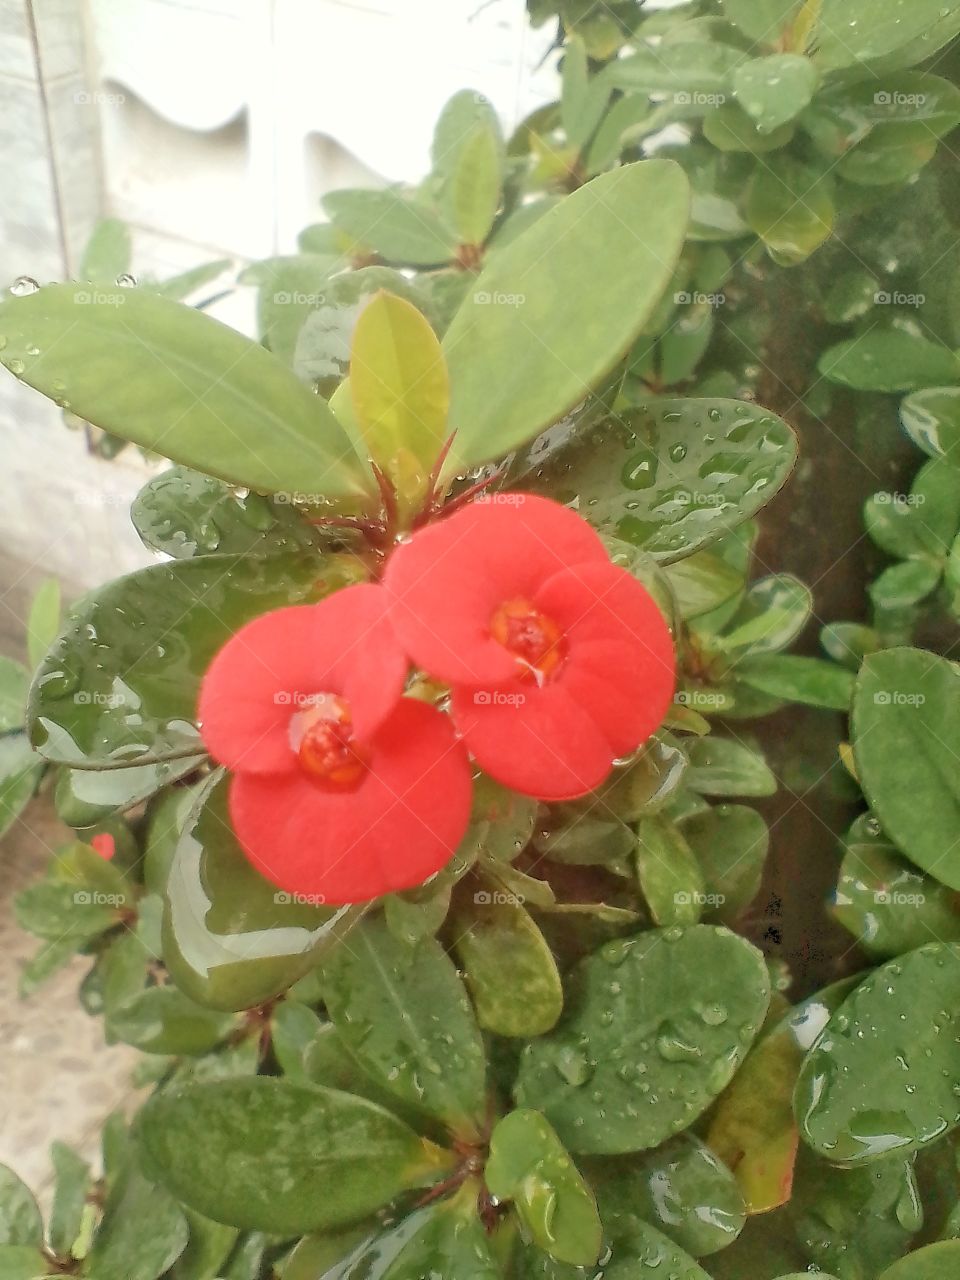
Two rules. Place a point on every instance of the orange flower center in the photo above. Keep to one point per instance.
(533, 638)
(322, 736)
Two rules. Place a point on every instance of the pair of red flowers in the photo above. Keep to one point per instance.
(345, 789)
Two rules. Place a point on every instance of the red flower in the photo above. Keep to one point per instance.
(104, 844)
(559, 661)
(344, 789)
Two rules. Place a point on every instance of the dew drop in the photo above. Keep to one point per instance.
(24, 285)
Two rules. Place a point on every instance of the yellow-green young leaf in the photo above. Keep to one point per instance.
(400, 391)
(791, 210)
(172, 379)
(475, 185)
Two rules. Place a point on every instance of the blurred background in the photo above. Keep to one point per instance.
(212, 128)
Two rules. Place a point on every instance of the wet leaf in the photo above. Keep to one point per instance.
(906, 721)
(282, 1158)
(43, 622)
(851, 32)
(725, 767)
(405, 1015)
(889, 360)
(174, 380)
(507, 965)
(775, 89)
(529, 1166)
(931, 419)
(882, 1077)
(656, 1026)
(671, 477)
(670, 877)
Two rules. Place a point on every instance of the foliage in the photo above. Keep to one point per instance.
(565, 1054)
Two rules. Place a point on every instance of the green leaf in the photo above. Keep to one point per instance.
(546, 320)
(931, 418)
(20, 774)
(475, 186)
(851, 296)
(671, 477)
(904, 585)
(730, 843)
(724, 767)
(855, 1221)
(670, 877)
(775, 89)
(293, 1027)
(404, 1013)
(399, 228)
(852, 32)
(656, 1027)
(289, 289)
(183, 513)
(20, 1220)
(683, 69)
(507, 965)
(142, 1234)
(881, 1078)
(442, 1239)
(174, 380)
(891, 154)
(731, 130)
(935, 1262)
(164, 1020)
(72, 1185)
(647, 1254)
(43, 623)
(282, 1158)
(208, 1248)
(795, 679)
(14, 680)
(906, 735)
(765, 20)
(116, 688)
(231, 940)
(59, 911)
(771, 616)
(583, 99)
(108, 251)
(889, 360)
(682, 1188)
(22, 1262)
(791, 210)
(400, 390)
(529, 1166)
(844, 115)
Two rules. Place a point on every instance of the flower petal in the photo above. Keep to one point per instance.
(537, 740)
(344, 645)
(449, 579)
(393, 831)
(621, 664)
